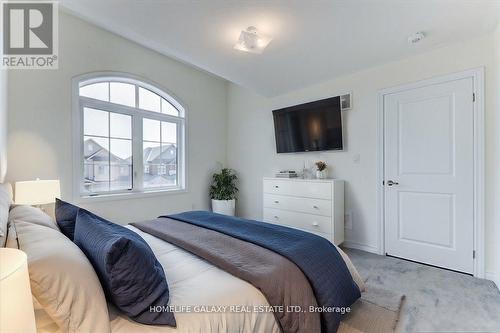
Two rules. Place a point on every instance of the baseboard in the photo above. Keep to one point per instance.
(493, 277)
(359, 246)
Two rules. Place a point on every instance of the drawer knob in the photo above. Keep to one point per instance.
(276, 186)
(315, 207)
(315, 224)
(276, 201)
(276, 217)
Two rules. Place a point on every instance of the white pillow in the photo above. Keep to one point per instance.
(62, 280)
(31, 215)
(5, 202)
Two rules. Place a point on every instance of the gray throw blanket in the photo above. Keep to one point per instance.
(279, 279)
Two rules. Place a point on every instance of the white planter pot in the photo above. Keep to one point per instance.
(226, 207)
(321, 174)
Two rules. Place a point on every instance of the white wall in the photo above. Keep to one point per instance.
(3, 120)
(39, 127)
(3, 123)
(496, 151)
(251, 146)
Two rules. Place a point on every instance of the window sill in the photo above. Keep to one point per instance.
(129, 195)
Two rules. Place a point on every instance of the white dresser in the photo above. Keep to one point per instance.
(313, 205)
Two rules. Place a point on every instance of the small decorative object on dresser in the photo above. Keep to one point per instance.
(313, 205)
(286, 174)
(223, 192)
(321, 171)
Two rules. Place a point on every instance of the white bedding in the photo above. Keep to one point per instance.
(192, 281)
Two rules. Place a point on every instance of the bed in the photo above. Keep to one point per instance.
(206, 298)
(195, 282)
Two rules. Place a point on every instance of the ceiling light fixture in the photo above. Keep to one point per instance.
(416, 37)
(251, 41)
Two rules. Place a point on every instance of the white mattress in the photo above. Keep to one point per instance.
(192, 281)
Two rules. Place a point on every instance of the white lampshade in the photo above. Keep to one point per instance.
(16, 303)
(37, 192)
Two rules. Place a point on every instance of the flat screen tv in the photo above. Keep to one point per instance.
(313, 126)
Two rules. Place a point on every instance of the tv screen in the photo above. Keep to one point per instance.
(312, 126)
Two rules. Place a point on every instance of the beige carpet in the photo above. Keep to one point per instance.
(377, 311)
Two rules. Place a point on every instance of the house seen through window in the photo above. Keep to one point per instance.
(131, 137)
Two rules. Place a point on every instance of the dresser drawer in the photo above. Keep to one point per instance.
(304, 205)
(308, 222)
(318, 190)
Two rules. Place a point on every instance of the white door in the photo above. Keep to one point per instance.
(429, 174)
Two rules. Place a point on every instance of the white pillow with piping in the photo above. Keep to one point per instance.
(31, 214)
(62, 280)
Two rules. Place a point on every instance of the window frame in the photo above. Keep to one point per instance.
(137, 114)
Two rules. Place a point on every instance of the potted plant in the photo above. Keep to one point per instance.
(321, 171)
(223, 192)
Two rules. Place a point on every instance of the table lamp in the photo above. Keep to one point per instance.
(37, 192)
(16, 303)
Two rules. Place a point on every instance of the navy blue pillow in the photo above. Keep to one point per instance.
(131, 276)
(66, 217)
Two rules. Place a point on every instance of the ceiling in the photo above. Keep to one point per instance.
(313, 41)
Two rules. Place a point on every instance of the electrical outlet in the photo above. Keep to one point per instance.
(348, 221)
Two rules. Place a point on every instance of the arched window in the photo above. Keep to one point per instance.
(129, 137)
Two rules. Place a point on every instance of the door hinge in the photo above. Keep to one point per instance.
(473, 254)
(473, 97)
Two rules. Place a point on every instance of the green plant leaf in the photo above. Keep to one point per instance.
(224, 185)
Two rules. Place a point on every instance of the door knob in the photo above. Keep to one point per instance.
(391, 183)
